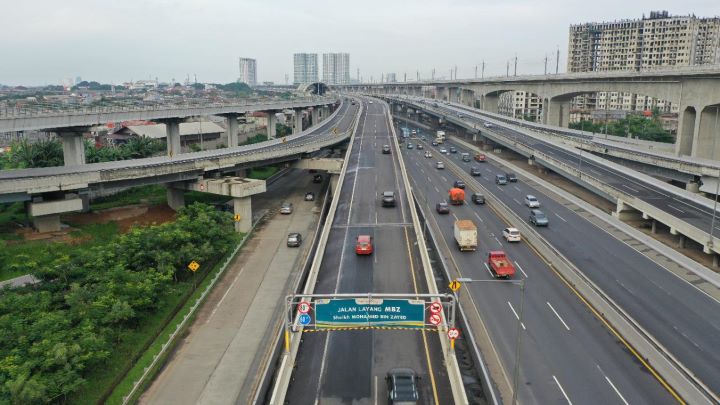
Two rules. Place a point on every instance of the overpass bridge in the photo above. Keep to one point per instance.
(696, 91)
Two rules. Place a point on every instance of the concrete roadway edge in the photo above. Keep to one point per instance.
(282, 380)
(451, 363)
(675, 377)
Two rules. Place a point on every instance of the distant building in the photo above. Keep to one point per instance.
(521, 105)
(391, 78)
(305, 68)
(248, 71)
(336, 68)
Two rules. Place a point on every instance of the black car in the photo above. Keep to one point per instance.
(386, 149)
(442, 208)
(294, 239)
(475, 171)
(538, 218)
(478, 198)
(317, 178)
(459, 184)
(453, 150)
(402, 386)
(388, 199)
(511, 177)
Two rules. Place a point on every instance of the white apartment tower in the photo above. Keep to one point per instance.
(336, 68)
(305, 68)
(248, 71)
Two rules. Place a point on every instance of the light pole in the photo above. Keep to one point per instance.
(518, 338)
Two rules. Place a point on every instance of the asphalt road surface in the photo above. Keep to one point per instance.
(566, 354)
(349, 367)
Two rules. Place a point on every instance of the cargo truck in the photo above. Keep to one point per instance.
(500, 265)
(456, 196)
(465, 235)
(440, 137)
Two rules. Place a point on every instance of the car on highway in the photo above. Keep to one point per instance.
(434, 143)
(531, 201)
(364, 245)
(413, 132)
(439, 165)
(477, 198)
(428, 154)
(511, 177)
(386, 149)
(388, 199)
(370, 102)
(286, 208)
(453, 149)
(442, 208)
(480, 157)
(443, 151)
(420, 146)
(475, 171)
(538, 218)
(459, 184)
(487, 125)
(402, 386)
(410, 146)
(309, 196)
(318, 178)
(465, 157)
(511, 234)
(500, 179)
(294, 239)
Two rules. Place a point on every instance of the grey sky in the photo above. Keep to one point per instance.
(46, 41)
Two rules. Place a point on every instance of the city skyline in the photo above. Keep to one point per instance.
(397, 41)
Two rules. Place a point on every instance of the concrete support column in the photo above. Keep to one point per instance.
(47, 223)
(474, 138)
(271, 125)
(558, 113)
(625, 212)
(681, 241)
(175, 197)
(315, 116)
(232, 130)
(693, 187)
(490, 103)
(73, 148)
(334, 179)
(297, 127)
(172, 130)
(716, 260)
(653, 227)
(243, 206)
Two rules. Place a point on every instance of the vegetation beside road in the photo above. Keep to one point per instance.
(262, 173)
(645, 128)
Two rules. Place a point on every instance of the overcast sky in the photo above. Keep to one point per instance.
(113, 41)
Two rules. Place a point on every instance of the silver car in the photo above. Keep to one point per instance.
(286, 208)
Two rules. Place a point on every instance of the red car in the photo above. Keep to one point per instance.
(364, 245)
(480, 157)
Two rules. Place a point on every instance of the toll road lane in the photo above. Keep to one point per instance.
(548, 348)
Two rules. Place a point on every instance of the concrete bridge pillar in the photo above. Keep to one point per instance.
(489, 103)
(175, 197)
(625, 212)
(334, 180)
(684, 142)
(297, 125)
(73, 147)
(243, 206)
(232, 130)
(45, 211)
(315, 116)
(172, 138)
(707, 131)
(558, 113)
(271, 125)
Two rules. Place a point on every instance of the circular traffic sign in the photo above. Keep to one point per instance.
(304, 319)
(303, 307)
(435, 319)
(453, 333)
(436, 307)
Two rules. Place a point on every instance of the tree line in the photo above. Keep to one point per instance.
(646, 128)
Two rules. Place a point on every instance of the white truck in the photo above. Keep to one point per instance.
(440, 137)
(465, 233)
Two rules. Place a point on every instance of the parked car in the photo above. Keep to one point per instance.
(386, 149)
(286, 208)
(309, 196)
(475, 171)
(318, 178)
(478, 198)
(532, 201)
(294, 239)
(402, 386)
(388, 199)
(500, 179)
(459, 184)
(442, 208)
(364, 245)
(538, 218)
(511, 177)
(511, 234)
(440, 165)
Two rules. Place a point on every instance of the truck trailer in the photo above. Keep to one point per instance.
(465, 235)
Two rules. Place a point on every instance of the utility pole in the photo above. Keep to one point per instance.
(358, 75)
(476, 71)
(483, 69)
(557, 60)
(405, 77)
(418, 75)
(450, 73)
(515, 72)
(545, 64)
(433, 74)
(507, 69)
(455, 72)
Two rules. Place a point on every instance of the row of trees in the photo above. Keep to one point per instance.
(49, 153)
(647, 128)
(52, 334)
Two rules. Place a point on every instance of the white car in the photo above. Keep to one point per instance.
(531, 201)
(488, 125)
(428, 154)
(443, 151)
(440, 165)
(511, 234)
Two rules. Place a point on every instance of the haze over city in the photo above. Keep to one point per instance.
(47, 41)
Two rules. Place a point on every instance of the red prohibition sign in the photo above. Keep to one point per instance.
(303, 307)
(453, 333)
(435, 319)
(436, 307)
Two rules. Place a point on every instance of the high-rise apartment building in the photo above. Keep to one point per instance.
(336, 68)
(657, 41)
(248, 71)
(520, 104)
(305, 68)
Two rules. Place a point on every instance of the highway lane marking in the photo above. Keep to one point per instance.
(517, 188)
(563, 219)
(455, 216)
(435, 187)
(515, 199)
(521, 270)
(499, 188)
(612, 385)
(515, 313)
(488, 269)
(675, 208)
(225, 295)
(498, 240)
(686, 337)
(444, 179)
(478, 217)
(376, 390)
(558, 315)
(562, 390)
(630, 188)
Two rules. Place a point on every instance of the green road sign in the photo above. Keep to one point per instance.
(369, 312)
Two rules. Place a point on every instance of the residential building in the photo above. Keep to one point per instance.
(306, 68)
(659, 41)
(336, 68)
(520, 104)
(248, 71)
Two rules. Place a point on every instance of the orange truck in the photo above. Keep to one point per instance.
(456, 196)
(500, 265)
